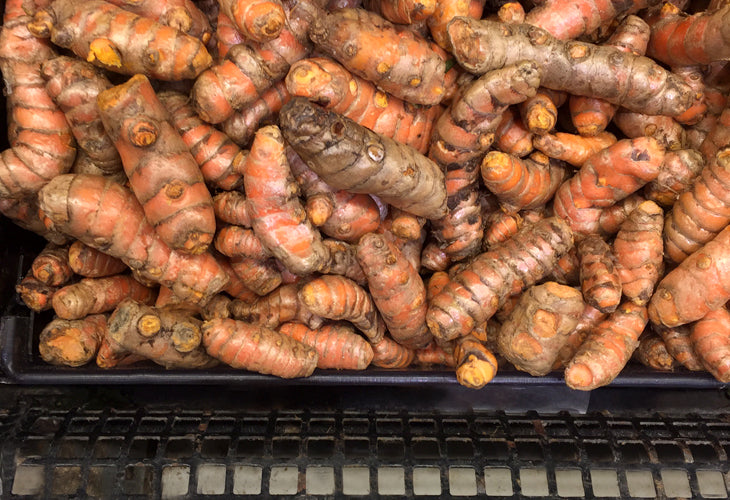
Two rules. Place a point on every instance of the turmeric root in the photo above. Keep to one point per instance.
(402, 11)
(573, 149)
(89, 262)
(227, 35)
(693, 76)
(607, 349)
(677, 175)
(664, 129)
(434, 354)
(259, 276)
(680, 40)
(611, 218)
(231, 207)
(339, 298)
(242, 125)
(539, 325)
(574, 67)
(511, 135)
(702, 212)
(695, 287)
(35, 294)
(277, 215)
(567, 269)
(396, 289)
(42, 145)
(589, 319)
(652, 352)
(522, 184)
(162, 172)
(475, 293)
(343, 261)
(183, 15)
(51, 266)
(338, 346)
(412, 69)
(434, 258)
(24, 213)
(396, 173)
(72, 343)
(258, 20)
(476, 366)
(169, 337)
(540, 112)
(445, 11)
(566, 20)
(257, 348)
(327, 83)
(236, 287)
(461, 135)
(74, 85)
(217, 308)
(280, 306)
(638, 248)
(679, 345)
(106, 216)
(718, 136)
(237, 241)
(606, 178)
(501, 226)
(217, 156)
(600, 281)
(387, 353)
(710, 338)
(98, 295)
(100, 33)
(251, 68)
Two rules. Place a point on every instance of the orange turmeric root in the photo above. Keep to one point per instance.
(522, 184)
(606, 178)
(511, 135)
(121, 41)
(718, 135)
(567, 269)
(678, 173)
(396, 289)
(434, 258)
(183, 15)
(692, 75)
(611, 218)
(679, 345)
(574, 149)
(338, 346)
(216, 154)
(638, 248)
(339, 298)
(540, 112)
(24, 213)
(701, 213)
(600, 281)
(445, 11)
(329, 84)
(343, 261)
(41, 143)
(413, 70)
(607, 349)
(72, 343)
(434, 354)
(98, 295)
(35, 294)
(710, 338)
(242, 125)
(402, 11)
(277, 215)
(231, 207)
(283, 305)
(217, 308)
(251, 68)
(476, 366)
(169, 337)
(237, 241)
(258, 20)
(259, 276)
(257, 348)
(162, 172)
(589, 319)
(387, 353)
(475, 293)
(74, 85)
(539, 326)
(227, 35)
(664, 129)
(105, 215)
(89, 262)
(501, 226)
(652, 352)
(51, 266)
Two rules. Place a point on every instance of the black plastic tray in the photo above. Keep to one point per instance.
(21, 363)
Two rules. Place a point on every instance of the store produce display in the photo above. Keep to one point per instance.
(295, 187)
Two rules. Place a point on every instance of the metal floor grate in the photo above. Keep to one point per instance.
(173, 453)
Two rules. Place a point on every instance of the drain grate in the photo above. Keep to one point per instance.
(373, 454)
